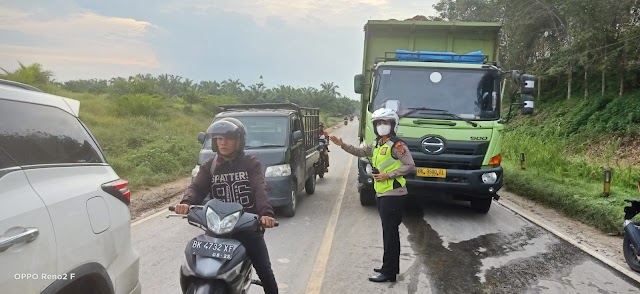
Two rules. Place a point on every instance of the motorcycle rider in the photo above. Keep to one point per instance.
(324, 134)
(236, 177)
(392, 159)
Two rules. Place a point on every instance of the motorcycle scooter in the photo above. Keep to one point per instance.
(321, 165)
(631, 241)
(215, 262)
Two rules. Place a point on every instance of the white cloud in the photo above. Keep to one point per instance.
(331, 13)
(75, 40)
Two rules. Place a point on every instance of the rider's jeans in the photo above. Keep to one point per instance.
(259, 255)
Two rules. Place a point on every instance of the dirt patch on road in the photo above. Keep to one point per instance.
(145, 202)
(606, 245)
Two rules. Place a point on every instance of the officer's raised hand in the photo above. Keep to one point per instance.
(336, 140)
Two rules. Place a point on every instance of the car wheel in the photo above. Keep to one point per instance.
(310, 184)
(290, 209)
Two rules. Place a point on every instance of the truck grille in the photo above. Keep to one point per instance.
(460, 155)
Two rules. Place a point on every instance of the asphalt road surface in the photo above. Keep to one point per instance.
(333, 243)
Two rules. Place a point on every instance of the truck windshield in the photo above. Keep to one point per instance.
(262, 131)
(467, 93)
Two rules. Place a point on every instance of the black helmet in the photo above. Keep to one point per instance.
(231, 128)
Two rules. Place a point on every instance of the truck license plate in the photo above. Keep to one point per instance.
(431, 172)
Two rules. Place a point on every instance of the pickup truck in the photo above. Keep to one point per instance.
(284, 138)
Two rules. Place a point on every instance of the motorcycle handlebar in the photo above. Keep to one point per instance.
(173, 208)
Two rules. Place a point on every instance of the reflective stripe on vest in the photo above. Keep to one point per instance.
(383, 160)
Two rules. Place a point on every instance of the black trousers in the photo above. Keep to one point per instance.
(390, 209)
(259, 255)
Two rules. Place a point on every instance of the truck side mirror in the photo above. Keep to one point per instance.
(358, 83)
(297, 136)
(527, 86)
(201, 136)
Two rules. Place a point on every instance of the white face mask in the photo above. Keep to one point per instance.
(383, 130)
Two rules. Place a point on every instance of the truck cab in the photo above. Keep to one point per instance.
(283, 137)
(448, 102)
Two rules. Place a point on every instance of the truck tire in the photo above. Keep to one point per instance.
(367, 197)
(290, 209)
(481, 205)
(310, 184)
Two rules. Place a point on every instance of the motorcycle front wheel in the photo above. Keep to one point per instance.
(208, 287)
(629, 256)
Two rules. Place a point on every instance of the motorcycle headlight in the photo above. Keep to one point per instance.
(282, 170)
(368, 168)
(219, 226)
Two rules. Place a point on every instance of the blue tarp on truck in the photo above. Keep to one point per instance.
(471, 57)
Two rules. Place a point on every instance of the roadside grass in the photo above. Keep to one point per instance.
(567, 146)
(148, 140)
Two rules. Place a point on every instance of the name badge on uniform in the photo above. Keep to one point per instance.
(384, 150)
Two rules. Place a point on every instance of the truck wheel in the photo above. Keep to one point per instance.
(290, 209)
(481, 205)
(310, 184)
(367, 197)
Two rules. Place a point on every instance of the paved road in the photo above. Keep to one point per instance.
(333, 243)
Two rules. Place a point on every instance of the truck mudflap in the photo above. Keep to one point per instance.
(468, 183)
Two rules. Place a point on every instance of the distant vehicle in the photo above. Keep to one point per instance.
(284, 138)
(65, 225)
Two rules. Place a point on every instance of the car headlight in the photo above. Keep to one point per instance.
(195, 171)
(282, 170)
(223, 226)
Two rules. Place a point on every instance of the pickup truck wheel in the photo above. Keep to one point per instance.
(481, 205)
(310, 184)
(367, 197)
(290, 209)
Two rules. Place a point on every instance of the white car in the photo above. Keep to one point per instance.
(64, 213)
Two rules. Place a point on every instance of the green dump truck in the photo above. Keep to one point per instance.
(445, 83)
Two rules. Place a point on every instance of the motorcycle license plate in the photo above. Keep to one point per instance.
(212, 249)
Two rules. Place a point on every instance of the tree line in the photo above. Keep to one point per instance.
(577, 47)
(206, 93)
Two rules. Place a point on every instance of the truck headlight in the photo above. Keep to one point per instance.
(489, 178)
(281, 170)
(368, 169)
(195, 171)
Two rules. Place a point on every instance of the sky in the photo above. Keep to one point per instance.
(289, 42)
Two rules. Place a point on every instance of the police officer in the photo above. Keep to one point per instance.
(392, 159)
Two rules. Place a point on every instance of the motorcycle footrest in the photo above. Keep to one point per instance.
(256, 282)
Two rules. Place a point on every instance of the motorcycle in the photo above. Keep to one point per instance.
(345, 122)
(322, 165)
(631, 241)
(215, 262)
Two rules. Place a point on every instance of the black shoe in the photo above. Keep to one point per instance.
(379, 278)
(377, 269)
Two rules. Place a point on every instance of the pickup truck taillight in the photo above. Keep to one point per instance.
(119, 189)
